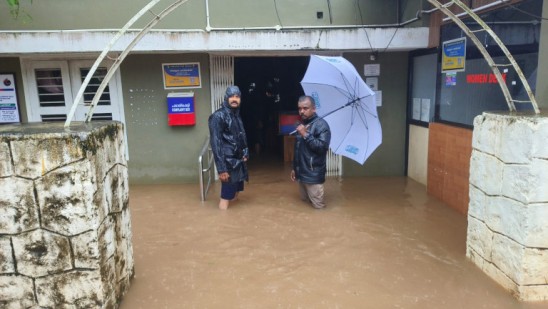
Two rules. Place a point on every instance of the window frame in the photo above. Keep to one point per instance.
(72, 80)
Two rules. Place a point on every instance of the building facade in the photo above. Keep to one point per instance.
(51, 46)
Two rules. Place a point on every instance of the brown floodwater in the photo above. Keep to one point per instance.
(382, 242)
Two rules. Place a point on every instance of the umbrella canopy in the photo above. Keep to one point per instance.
(346, 103)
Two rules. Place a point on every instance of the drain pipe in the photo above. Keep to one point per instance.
(208, 26)
(278, 27)
(398, 11)
(329, 9)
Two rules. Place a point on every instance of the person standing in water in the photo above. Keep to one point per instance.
(229, 146)
(311, 145)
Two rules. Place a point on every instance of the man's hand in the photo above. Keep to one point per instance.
(302, 129)
(292, 175)
(224, 177)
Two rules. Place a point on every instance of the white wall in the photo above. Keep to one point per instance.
(417, 167)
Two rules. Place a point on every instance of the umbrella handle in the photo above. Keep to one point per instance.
(295, 131)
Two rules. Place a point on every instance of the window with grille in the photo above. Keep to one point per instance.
(50, 87)
(54, 84)
(93, 86)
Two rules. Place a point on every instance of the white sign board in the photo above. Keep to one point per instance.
(425, 110)
(378, 97)
(372, 82)
(9, 110)
(416, 109)
(372, 69)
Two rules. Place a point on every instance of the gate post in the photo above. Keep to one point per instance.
(65, 228)
(508, 212)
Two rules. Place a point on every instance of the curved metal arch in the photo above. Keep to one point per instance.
(120, 58)
(485, 53)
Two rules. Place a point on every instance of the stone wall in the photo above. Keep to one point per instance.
(65, 229)
(508, 211)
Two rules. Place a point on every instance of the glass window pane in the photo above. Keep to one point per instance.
(50, 87)
(93, 86)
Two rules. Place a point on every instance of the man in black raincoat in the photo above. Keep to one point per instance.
(229, 146)
(311, 145)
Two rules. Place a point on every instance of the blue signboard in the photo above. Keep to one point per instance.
(453, 56)
(180, 109)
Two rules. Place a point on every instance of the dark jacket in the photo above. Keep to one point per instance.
(311, 151)
(228, 142)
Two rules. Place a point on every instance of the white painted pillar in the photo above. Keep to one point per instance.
(508, 212)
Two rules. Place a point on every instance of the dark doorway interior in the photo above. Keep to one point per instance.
(270, 86)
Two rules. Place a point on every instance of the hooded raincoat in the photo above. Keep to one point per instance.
(228, 141)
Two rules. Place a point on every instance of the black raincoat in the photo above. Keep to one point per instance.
(229, 142)
(311, 152)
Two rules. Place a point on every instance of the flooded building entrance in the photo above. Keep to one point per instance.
(270, 88)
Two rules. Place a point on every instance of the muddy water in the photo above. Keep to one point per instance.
(381, 243)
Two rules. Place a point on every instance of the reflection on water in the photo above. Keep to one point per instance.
(380, 243)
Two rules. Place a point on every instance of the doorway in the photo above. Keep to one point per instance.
(270, 87)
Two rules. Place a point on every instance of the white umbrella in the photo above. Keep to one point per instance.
(346, 103)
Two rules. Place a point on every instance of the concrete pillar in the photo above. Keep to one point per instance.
(508, 211)
(65, 229)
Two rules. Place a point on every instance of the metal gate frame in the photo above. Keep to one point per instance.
(221, 72)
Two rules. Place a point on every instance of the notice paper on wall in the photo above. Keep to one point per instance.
(416, 109)
(378, 97)
(425, 110)
(372, 69)
(450, 79)
(373, 83)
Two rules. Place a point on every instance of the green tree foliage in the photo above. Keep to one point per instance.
(16, 11)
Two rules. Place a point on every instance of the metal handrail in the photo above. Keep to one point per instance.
(208, 170)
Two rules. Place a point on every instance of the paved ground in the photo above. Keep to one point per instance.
(381, 243)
